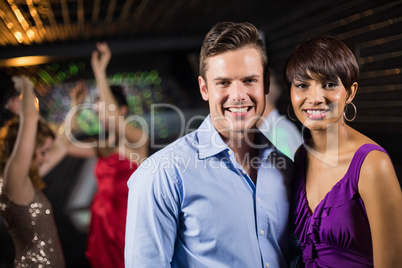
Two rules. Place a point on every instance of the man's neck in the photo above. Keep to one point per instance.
(244, 149)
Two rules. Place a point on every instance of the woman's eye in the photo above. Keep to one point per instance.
(300, 85)
(330, 85)
(44, 153)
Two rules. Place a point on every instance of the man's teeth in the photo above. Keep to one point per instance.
(315, 111)
(238, 110)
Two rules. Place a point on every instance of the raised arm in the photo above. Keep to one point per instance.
(66, 139)
(382, 197)
(99, 61)
(134, 136)
(17, 184)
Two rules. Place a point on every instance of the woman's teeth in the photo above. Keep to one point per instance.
(315, 111)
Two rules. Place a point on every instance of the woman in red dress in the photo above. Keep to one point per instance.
(118, 157)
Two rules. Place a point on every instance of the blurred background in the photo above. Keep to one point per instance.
(155, 47)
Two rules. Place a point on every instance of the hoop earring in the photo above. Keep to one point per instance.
(346, 109)
(291, 118)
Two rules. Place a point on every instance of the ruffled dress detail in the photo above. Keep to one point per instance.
(337, 233)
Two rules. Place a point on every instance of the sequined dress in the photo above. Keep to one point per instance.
(33, 230)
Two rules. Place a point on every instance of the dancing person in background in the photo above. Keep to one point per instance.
(25, 144)
(118, 157)
(348, 201)
(277, 128)
(13, 103)
(219, 196)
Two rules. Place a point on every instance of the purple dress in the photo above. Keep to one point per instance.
(337, 233)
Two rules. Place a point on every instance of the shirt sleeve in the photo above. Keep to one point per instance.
(152, 216)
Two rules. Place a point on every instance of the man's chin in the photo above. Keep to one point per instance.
(241, 129)
(225, 125)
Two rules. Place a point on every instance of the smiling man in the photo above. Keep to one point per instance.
(219, 196)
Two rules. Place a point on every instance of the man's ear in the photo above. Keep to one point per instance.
(267, 81)
(266, 89)
(203, 88)
(353, 91)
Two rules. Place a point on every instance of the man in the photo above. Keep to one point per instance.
(219, 196)
(277, 128)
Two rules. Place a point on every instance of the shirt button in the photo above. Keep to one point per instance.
(244, 172)
(258, 199)
(261, 232)
(230, 152)
(267, 264)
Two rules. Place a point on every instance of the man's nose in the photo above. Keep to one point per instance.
(238, 92)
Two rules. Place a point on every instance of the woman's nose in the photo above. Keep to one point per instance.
(316, 94)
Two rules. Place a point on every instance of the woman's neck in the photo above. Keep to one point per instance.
(326, 144)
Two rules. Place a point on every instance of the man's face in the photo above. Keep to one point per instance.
(234, 87)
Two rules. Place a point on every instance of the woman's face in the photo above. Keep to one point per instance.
(319, 104)
(42, 152)
(101, 112)
(104, 113)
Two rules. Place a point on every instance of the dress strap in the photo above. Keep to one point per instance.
(358, 158)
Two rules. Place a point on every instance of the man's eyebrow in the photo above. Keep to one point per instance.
(251, 76)
(220, 78)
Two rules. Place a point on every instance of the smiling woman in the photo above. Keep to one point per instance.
(320, 101)
(25, 142)
(344, 178)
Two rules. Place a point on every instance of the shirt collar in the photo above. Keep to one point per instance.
(265, 145)
(210, 142)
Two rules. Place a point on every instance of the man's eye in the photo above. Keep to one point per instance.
(249, 81)
(222, 83)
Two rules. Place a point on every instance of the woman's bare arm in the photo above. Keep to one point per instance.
(382, 197)
(17, 184)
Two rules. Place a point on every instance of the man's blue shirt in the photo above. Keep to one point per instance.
(192, 205)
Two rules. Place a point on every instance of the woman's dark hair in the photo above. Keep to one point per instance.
(119, 95)
(8, 136)
(324, 58)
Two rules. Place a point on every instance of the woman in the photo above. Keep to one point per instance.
(25, 144)
(348, 201)
(118, 158)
